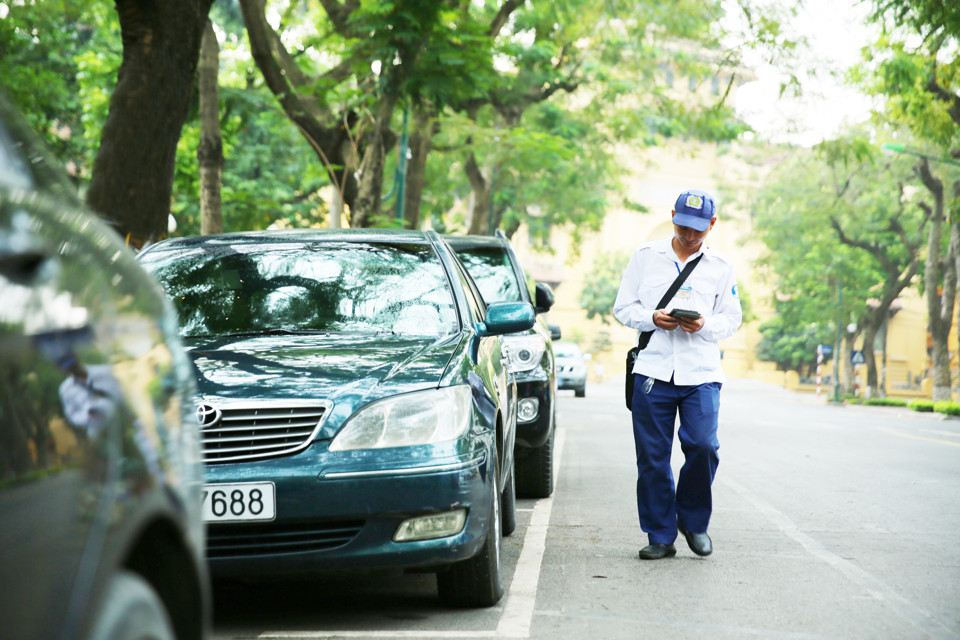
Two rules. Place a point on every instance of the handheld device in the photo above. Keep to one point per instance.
(685, 313)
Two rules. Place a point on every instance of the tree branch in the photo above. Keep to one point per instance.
(872, 249)
(279, 70)
(507, 8)
(339, 15)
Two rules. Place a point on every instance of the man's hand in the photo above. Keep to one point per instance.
(665, 321)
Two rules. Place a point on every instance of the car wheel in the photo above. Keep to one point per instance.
(476, 582)
(508, 502)
(132, 610)
(581, 392)
(535, 472)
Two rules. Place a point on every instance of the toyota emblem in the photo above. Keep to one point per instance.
(208, 415)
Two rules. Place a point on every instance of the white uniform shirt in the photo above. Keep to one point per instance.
(711, 289)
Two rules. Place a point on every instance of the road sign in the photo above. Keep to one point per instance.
(856, 358)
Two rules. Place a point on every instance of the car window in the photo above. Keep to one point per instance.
(491, 269)
(223, 289)
(474, 297)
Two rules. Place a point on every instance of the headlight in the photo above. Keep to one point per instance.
(527, 409)
(524, 352)
(424, 417)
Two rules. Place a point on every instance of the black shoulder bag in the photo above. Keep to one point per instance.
(644, 338)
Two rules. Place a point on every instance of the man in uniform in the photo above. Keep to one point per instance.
(678, 373)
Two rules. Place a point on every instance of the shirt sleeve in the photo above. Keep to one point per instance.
(628, 308)
(727, 314)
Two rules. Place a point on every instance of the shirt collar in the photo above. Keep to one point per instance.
(663, 246)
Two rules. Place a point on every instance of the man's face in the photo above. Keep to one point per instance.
(691, 239)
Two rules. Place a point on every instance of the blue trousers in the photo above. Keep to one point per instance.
(660, 505)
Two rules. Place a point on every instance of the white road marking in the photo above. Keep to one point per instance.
(519, 601)
(518, 611)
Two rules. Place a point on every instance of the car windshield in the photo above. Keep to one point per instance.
(238, 288)
(490, 268)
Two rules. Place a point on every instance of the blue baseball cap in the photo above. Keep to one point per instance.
(694, 209)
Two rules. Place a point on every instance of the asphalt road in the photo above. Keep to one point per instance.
(829, 522)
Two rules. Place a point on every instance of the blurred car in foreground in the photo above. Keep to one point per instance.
(571, 367)
(101, 534)
(356, 406)
(495, 268)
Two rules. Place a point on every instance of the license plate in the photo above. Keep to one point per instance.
(241, 502)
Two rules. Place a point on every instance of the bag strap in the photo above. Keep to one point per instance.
(644, 337)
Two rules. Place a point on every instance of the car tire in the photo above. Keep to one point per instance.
(476, 582)
(535, 472)
(131, 610)
(581, 392)
(508, 504)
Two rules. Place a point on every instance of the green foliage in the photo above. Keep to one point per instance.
(430, 52)
(921, 405)
(601, 283)
(790, 346)
(270, 175)
(600, 342)
(886, 402)
(811, 264)
(746, 304)
(915, 67)
(543, 104)
(42, 46)
(586, 77)
(948, 407)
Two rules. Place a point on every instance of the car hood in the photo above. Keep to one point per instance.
(348, 370)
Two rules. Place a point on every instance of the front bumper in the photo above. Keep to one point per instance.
(534, 434)
(571, 382)
(337, 517)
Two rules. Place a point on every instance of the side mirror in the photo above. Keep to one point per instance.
(543, 298)
(554, 331)
(507, 317)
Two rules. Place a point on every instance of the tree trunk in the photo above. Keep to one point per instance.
(132, 180)
(421, 142)
(210, 153)
(336, 209)
(954, 265)
(871, 388)
(940, 297)
(848, 377)
(480, 212)
(367, 207)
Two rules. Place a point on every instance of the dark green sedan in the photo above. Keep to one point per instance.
(355, 404)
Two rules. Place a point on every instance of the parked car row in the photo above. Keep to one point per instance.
(357, 406)
(282, 403)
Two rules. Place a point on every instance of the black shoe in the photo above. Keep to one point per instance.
(700, 543)
(656, 551)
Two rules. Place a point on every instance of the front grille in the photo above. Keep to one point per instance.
(247, 540)
(233, 432)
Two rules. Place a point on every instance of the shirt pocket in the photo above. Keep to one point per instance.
(653, 287)
(704, 290)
